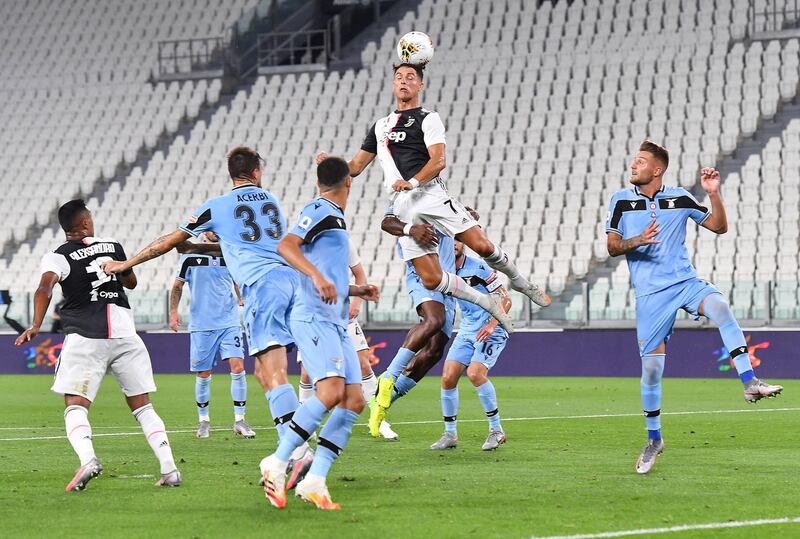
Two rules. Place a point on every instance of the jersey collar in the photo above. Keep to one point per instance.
(244, 186)
(332, 203)
(636, 190)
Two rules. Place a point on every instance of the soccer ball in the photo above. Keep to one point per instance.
(415, 48)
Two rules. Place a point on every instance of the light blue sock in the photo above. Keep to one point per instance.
(401, 360)
(304, 422)
(488, 397)
(282, 404)
(450, 408)
(202, 395)
(716, 309)
(403, 385)
(239, 393)
(332, 440)
(652, 371)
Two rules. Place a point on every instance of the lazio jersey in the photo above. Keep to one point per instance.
(250, 224)
(213, 304)
(326, 244)
(484, 279)
(657, 266)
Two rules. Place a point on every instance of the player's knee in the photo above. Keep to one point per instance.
(652, 369)
(477, 374)
(355, 402)
(237, 367)
(204, 374)
(449, 380)
(483, 247)
(432, 324)
(431, 280)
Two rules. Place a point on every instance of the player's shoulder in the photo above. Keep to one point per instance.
(673, 191)
(625, 194)
(320, 207)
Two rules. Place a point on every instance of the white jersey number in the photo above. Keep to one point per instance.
(96, 267)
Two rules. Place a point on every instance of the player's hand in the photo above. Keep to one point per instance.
(648, 237)
(425, 235)
(475, 215)
(326, 289)
(355, 308)
(369, 292)
(27, 335)
(174, 321)
(401, 185)
(710, 180)
(321, 156)
(114, 266)
(486, 331)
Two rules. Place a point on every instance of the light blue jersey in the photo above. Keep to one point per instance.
(657, 266)
(213, 304)
(326, 244)
(483, 279)
(250, 224)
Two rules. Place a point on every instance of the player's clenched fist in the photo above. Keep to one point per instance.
(113, 266)
(321, 156)
(710, 180)
(326, 289)
(424, 235)
(368, 292)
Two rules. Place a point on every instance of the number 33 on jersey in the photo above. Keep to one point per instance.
(249, 223)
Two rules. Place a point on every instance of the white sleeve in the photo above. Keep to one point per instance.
(57, 264)
(433, 129)
(353, 260)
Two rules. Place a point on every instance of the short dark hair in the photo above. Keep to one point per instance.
(420, 69)
(332, 171)
(242, 161)
(70, 212)
(657, 150)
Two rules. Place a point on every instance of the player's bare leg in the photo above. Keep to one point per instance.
(493, 255)
(433, 278)
(156, 434)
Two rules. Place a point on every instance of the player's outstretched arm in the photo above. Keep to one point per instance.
(157, 247)
(710, 182)
(128, 279)
(41, 301)
(357, 164)
(189, 247)
(289, 249)
(368, 292)
(174, 300)
(617, 246)
(422, 234)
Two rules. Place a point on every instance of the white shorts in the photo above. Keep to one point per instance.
(430, 204)
(356, 336)
(83, 363)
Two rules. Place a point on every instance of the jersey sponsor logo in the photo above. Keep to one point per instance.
(397, 136)
(97, 294)
(92, 250)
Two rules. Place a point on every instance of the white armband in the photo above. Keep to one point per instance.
(414, 182)
(407, 229)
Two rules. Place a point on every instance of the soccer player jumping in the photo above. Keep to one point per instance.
(410, 146)
(648, 225)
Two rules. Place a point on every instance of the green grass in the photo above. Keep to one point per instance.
(554, 476)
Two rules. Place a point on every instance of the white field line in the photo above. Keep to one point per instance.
(425, 422)
(681, 528)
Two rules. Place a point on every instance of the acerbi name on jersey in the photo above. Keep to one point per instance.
(252, 197)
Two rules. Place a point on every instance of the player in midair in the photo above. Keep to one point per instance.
(648, 225)
(249, 223)
(214, 330)
(475, 350)
(317, 247)
(410, 146)
(100, 338)
(425, 342)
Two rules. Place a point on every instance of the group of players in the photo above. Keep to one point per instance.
(295, 288)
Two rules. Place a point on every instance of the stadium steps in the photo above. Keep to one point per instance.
(755, 144)
(350, 55)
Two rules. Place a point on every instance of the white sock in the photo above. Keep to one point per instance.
(499, 261)
(455, 286)
(79, 432)
(369, 385)
(156, 434)
(304, 392)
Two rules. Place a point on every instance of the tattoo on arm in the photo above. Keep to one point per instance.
(175, 297)
(623, 246)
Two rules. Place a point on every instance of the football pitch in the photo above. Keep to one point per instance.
(567, 468)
